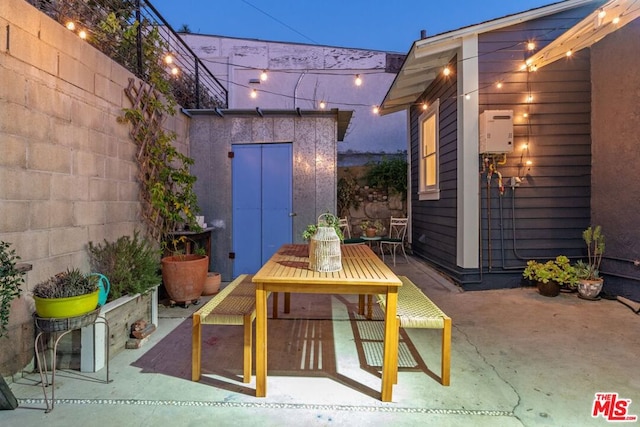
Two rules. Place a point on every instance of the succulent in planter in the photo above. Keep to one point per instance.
(588, 273)
(558, 271)
(67, 294)
(70, 283)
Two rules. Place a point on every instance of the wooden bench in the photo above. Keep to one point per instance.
(416, 310)
(233, 305)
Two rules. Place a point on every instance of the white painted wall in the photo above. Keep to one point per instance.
(300, 76)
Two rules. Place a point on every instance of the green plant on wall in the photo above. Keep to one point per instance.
(11, 281)
(389, 174)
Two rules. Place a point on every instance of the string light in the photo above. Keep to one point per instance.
(531, 46)
(602, 13)
(264, 76)
(358, 80)
(525, 115)
(467, 96)
(254, 93)
(175, 71)
(424, 106)
(569, 52)
(530, 98)
(446, 71)
(82, 34)
(499, 85)
(168, 58)
(323, 105)
(615, 20)
(70, 26)
(376, 109)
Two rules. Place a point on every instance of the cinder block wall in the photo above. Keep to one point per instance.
(67, 167)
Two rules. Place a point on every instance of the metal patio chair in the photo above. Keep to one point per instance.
(397, 233)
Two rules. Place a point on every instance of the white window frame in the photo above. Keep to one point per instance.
(429, 192)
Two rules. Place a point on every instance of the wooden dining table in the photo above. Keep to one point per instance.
(362, 273)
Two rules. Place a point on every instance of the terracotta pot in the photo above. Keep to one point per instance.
(371, 232)
(183, 276)
(550, 289)
(211, 284)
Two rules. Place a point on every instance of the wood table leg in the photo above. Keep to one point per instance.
(390, 354)
(261, 340)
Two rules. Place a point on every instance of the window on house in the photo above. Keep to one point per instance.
(428, 188)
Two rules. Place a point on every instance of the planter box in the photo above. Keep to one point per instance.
(120, 314)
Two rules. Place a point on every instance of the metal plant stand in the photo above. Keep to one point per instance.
(59, 327)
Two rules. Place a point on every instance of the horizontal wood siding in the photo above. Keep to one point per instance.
(434, 221)
(544, 216)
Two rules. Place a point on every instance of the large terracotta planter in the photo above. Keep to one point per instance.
(183, 276)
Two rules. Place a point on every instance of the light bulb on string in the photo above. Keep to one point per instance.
(467, 96)
(446, 71)
(569, 53)
(499, 85)
(531, 46)
(70, 26)
(82, 34)
(358, 80)
(175, 71)
(168, 58)
(323, 105)
(615, 20)
(424, 106)
(254, 93)
(264, 76)
(376, 109)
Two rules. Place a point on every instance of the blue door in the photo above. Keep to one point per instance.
(262, 203)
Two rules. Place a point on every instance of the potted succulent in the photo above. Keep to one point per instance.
(551, 275)
(67, 294)
(371, 228)
(130, 263)
(588, 273)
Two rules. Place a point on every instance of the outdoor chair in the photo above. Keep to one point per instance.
(397, 233)
(346, 232)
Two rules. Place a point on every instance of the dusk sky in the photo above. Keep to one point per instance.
(374, 24)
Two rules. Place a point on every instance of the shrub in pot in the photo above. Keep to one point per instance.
(184, 275)
(11, 280)
(67, 294)
(130, 263)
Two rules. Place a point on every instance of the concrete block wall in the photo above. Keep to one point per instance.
(67, 166)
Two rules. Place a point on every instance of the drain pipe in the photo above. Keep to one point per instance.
(295, 90)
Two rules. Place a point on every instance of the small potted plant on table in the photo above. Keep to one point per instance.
(371, 228)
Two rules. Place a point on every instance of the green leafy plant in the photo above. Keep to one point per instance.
(559, 270)
(69, 283)
(130, 263)
(594, 239)
(11, 281)
(390, 174)
(328, 220)
(370, 223)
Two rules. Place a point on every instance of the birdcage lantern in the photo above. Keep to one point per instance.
(325, 253)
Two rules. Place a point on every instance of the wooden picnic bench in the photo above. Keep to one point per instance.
(233, 305)
(416, 310)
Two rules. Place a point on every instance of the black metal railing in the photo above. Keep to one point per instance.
(135, 35)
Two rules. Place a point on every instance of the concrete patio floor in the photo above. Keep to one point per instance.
(518, 359)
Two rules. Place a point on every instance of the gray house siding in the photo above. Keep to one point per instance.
(545, 214)
(434, 221)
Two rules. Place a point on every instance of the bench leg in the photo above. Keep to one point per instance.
(248, 333)
(196, 348)
(446, 352)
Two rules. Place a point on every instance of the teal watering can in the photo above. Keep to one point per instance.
(104, 286)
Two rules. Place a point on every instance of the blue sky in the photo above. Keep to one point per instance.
(373, 24)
